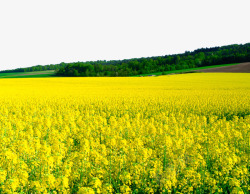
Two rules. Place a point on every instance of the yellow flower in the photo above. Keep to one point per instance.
(86, 190)
(3, 175)
(181, 133)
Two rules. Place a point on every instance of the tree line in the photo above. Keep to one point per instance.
(129, 67)
(36, 68)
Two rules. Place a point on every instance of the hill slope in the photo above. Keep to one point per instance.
(199, 58)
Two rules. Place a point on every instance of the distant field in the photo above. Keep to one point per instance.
(48, 73)
(201, 69)
(239, 68)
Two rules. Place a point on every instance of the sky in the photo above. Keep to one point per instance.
(41, 32)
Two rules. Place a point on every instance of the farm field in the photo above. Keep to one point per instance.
(201, 69)
(187, 133)
(239, 68)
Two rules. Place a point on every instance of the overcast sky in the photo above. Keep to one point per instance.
(40, 32)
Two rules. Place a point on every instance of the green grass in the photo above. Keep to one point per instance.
(49, 73)
(185, 70)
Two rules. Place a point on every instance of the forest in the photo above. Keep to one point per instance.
(236, 53)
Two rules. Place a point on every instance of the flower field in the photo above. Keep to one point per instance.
(185, 133)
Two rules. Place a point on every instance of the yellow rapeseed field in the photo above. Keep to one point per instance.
(170, 134)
